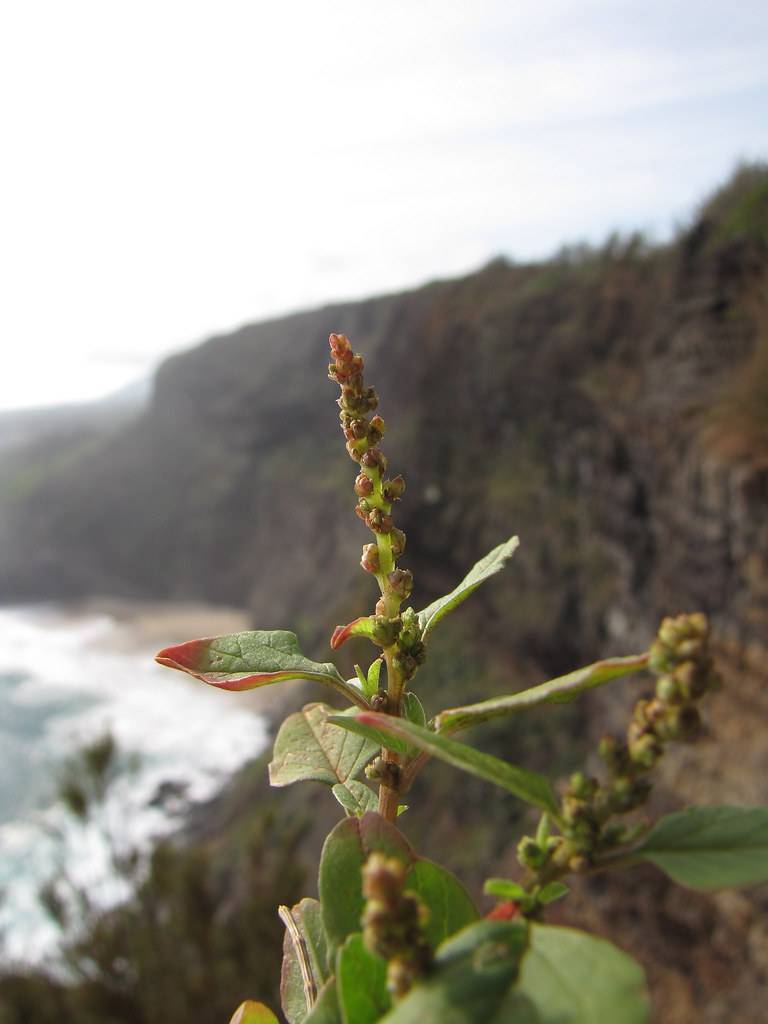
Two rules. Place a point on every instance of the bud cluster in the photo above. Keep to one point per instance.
(680, 658)
(392, 923)
(375, 494)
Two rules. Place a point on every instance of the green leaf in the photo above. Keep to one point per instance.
(505, 889)
(361, 980)
(253, 1013)
(326, 1009)
(340, 877)
(373, 732)
(340, 880)
(397, 734)
(356, 798)
(358, 627)
(448, 902)
(305, 959)
(309, 746)
(413, 709)
(374, 672)
(710, 847)
(551, 892)
(493, 562)
(245, 661)
(472, 977)
(575, 978)
(555, 691)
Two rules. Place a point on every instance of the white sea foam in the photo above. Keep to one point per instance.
(63, 682)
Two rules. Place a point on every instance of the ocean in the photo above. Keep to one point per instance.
(67, 678)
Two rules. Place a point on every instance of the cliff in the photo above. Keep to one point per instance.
(610, 406)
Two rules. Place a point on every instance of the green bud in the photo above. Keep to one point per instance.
(613, 753)
(645, 751)
(693, 648)
(576, 811)
(385, 631)
(668, 690)
(530, 854)
(582, 787)
(691, 680)
(660, 658)
(681, 723)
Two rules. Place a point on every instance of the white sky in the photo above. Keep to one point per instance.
(171, 169)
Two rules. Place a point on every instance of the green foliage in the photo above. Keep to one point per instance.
(401, 735)
(575, 978)
(710, 847)
(361, 977)
(555, 691)
(473, 977)
(345, 852)
(308, 746)
(488, 566)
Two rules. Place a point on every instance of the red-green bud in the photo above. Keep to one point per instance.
(359, 429)
(370, 559)
(400, 582)
(354, 450)
(374, 459)
(394, 489)
(363, 486)
(376, 430)
(379, 521)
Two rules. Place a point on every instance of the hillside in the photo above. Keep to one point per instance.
(610, 406)
(597, 404)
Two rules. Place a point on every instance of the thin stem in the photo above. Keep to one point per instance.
(389, 797)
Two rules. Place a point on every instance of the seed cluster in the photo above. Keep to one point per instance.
(375, 497)
(680, 658)
(392, 923)
(375, 494)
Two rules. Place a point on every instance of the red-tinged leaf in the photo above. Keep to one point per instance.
(245, 661)
(358, 627)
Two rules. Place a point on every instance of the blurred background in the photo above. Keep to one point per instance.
(546, 227)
